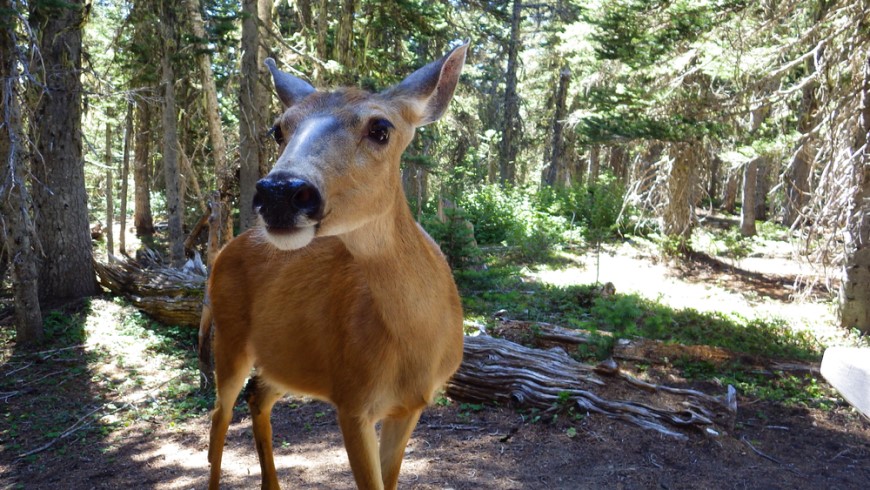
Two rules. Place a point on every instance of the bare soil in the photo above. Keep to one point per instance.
(455, 446)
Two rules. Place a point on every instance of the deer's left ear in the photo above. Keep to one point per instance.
(289, 88)
(429, 89)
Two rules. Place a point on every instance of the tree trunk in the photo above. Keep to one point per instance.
(762, 188)
(343, 51)
(223, 173)
(729, 197)
(322, 25)
(110, 198)
(677, 216)
(66, 270)
(594, 163)
(855, 293)
(304, 9)
(174, 206)
(556, 171)
(510, 122)
(619, 163)
(125, 174)
(142, 220)
(15, 223)
(715, 175)
(747, 211)
(252, 113)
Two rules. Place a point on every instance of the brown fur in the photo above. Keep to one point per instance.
(366, 316)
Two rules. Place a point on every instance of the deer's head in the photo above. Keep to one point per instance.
(339, 151)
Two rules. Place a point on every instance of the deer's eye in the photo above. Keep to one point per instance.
(277, 134)
(379, 130)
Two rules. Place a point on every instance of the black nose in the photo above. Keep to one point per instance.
(280, 198)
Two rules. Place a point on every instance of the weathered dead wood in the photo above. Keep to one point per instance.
(503, 372)
(169, 295)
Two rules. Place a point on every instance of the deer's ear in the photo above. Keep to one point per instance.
(290, 89)
(429, 89)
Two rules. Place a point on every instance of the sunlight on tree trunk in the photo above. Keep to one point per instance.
(677, 215)
(747, 206)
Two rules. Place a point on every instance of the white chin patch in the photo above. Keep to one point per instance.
(292, 240)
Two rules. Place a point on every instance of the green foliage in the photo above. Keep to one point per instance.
(595, 208)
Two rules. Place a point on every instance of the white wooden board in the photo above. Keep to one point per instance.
(848, 370)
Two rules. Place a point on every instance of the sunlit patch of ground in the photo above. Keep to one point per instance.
(629, 268)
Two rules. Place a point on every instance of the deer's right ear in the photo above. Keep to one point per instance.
(290, 89)
(431, 88)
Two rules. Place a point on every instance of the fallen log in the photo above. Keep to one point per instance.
(169, 295)
(508, 374)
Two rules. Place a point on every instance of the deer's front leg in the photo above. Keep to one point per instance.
(361, 443)
(395, 432)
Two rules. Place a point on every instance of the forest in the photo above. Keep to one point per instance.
(698, 134)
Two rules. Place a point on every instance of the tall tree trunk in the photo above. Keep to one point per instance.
(762, 188)
(594, 163)
(251, 112)
(66, 271)
(216, 136)
(125, 177)
(110, 197)
(174, 206)
(729, 197)
(322, 25)
(15, 223)
(747, 205)
(343, 51)
(715, 175)
(677, 216)
(619, 163)
(556, 171)
(304, 9)
(510, 122)
(855, 293)
(142, 219)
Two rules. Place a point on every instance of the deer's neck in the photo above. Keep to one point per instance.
(402, 265)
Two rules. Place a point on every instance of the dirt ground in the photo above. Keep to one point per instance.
(771, 448)
(458, 446)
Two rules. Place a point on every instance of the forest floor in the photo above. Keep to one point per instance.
(109, 405)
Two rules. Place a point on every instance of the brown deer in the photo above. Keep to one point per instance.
(338, 293)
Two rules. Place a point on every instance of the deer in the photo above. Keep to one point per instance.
(337, 293)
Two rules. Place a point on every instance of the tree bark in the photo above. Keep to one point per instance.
(855, 291)
(677, 215)
(594, 163)
(142, 219)
(556, 171)
(343, 51)
(747, 211)
(223, 173)
(252, 111)
(110, 198)
(125, 177)
(15, 222)
(66, 270)
(174, 206)
(322, 25)
(510, 122)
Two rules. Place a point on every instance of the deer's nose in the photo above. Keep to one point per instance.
(281, 198)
